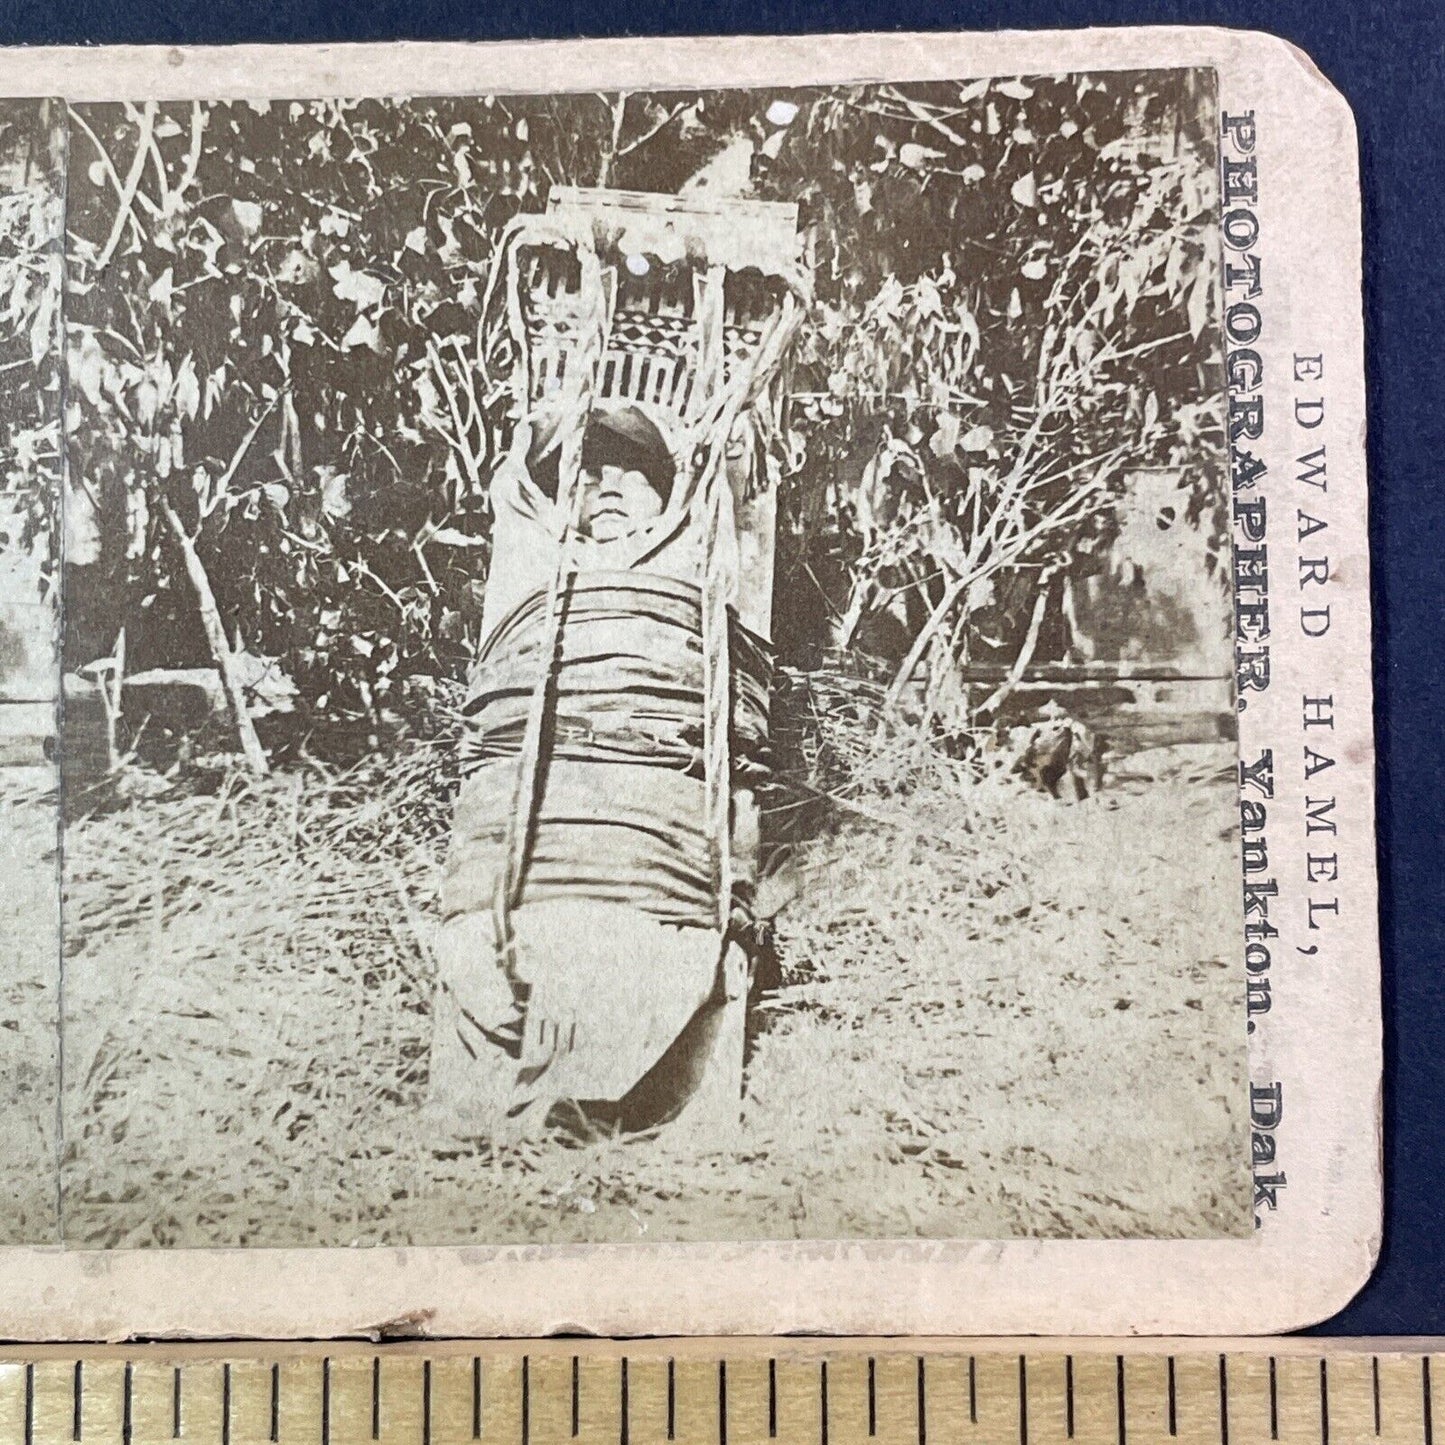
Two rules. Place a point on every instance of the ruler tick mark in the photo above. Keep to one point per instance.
(75, 1416)
(1069, 1396)
(1324, 1403)
(1173, 1417)
(376, 1397)
(275, 1400)
(426, 1402)
(1223, 1401)
(576, 1396)
(526, 1399)
(176, 1404)
(1273, 1401)
(126, 1398)
(922, 1401)
(1119, 1404)
(1426, 1402)
(872, 1396)
(772, 1399)
(671, 1401)
(1023, 1401)
(1375, 1388)
(226, 1403)
(624, 1404)
(823, 1400)
(722, 1402)
(972, 1390)
(29, 1404)
(326, 1400)
(477, 1395)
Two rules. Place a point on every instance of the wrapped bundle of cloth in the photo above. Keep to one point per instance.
(621, 820)
(600, 987)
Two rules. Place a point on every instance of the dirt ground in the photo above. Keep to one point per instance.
(999, 1015)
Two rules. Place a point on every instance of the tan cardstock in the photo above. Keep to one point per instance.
(1294, 348)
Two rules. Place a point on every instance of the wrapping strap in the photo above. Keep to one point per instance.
(577, 403)
(629, 680)
(621, 815)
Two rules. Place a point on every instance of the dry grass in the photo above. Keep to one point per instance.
(29, 970)
(999, 1015)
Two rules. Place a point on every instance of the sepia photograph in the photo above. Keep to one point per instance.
(645, 666)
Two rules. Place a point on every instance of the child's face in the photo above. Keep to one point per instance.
(616, 502)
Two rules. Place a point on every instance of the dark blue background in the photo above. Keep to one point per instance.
(1389, 60)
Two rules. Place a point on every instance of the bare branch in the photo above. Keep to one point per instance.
(193, 155)
(222, 653)
(112, 174)
(239, 456)
(619, 114)
(922, 113)
(999, 695)
(648, 134)
(146, 123)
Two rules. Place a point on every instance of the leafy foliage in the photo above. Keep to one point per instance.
(279, 332)
(31, 210)
(1017, 285)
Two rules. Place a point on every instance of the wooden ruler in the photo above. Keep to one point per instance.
(728, 1392)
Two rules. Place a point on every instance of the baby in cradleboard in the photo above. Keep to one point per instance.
(593, 995)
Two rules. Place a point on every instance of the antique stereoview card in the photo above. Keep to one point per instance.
(684, 686)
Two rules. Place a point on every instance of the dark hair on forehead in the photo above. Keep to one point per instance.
(629, 439)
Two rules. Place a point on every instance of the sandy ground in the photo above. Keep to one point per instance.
(999, 1015)
(29, 977)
